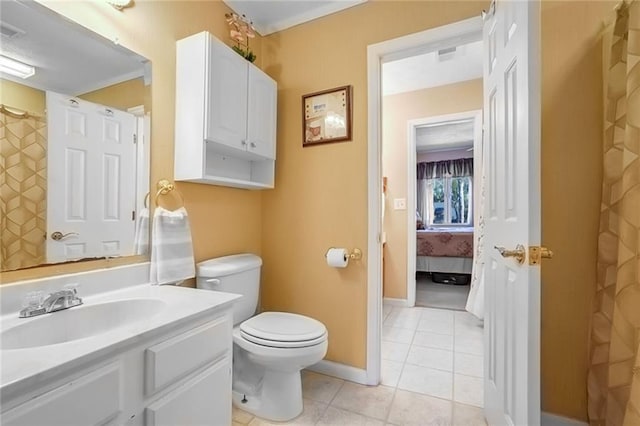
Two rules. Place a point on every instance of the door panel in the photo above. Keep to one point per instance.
(512, 129)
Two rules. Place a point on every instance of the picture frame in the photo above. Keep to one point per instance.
(326, 116)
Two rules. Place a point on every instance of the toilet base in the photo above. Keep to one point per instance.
(279, 398)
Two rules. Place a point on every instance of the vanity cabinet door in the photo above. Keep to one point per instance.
(203, 400)
(92, 399)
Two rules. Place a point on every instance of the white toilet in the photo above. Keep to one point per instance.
(269, 349)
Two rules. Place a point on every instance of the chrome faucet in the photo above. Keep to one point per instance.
(56, 301)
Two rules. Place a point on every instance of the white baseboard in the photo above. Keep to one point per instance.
(548, 419)
(341, 371)
(395, 302)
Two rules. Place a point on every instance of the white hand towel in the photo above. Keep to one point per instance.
(171, 249)
(141, 238)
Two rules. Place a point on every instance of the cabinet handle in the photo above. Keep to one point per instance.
(253, 145)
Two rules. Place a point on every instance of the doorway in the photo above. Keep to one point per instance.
(440, 244)
(466, 31)
(431, 121)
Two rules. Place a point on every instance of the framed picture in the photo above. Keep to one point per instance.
(326, 116)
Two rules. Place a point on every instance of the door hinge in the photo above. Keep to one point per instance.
(133, 215)
(135, 138)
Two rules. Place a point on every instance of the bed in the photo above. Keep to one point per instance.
(445, 249)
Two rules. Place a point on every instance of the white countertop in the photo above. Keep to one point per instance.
(23, 368)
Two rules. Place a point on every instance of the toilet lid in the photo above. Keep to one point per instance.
(283, 330)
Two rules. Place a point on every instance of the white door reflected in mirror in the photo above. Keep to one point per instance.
(91, 165)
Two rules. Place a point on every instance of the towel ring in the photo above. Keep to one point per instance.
(146, 200)
(164, 187)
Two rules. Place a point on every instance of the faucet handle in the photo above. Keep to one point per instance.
(73, 288)
(33, 299)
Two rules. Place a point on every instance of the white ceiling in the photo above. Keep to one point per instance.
(270, 16)
(445, 136)
(432, 69)
(69, 58)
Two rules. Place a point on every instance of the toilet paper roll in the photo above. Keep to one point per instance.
(337, 258)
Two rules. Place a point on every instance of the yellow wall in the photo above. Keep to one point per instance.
(20, 98)
(224, 221)
(572, 115)
(320, 198)
(397, 110)
(122, 96)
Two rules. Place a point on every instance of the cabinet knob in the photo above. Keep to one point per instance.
(252, 144)
(243, 143)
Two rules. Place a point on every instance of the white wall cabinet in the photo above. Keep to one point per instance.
(180, 378)
(225, 116)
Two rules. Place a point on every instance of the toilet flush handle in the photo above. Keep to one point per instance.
(214, 281)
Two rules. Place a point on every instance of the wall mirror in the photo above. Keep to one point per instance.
(74, 130)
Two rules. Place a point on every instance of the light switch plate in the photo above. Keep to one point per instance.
(399, 204)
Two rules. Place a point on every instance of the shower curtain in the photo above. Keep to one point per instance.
(614, 374)
(23, 189)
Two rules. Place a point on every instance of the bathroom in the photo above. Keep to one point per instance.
(320, 197)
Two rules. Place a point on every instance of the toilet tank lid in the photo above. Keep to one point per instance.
(227, 265)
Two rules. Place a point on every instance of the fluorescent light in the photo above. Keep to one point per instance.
(17, 68)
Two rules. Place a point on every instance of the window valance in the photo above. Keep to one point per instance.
(448, 168)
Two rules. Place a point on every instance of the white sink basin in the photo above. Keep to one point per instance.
(79, 323)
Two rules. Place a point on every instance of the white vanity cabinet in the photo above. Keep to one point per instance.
(179, 377)
(225, 131)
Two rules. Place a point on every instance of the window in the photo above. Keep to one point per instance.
(444, 192)
(452, 201)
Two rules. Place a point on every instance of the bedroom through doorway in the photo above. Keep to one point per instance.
(431, 150)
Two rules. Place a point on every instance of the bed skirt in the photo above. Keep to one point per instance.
(458, 265)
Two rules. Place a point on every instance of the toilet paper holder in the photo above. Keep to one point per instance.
(356, 254)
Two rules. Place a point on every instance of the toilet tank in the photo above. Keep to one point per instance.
(239, 274)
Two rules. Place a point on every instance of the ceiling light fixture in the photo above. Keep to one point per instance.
(16, 68)
(120, 4)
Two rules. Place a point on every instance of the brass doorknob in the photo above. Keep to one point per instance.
(545, 253)
(57, 235)
(519, 253)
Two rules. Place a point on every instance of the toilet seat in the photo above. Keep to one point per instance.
(283, 330)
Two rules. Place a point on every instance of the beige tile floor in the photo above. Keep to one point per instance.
(431, 375)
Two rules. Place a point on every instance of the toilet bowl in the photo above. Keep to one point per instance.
(269, 349)
(277, 360)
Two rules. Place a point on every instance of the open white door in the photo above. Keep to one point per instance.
(91, 175)
(512, 212)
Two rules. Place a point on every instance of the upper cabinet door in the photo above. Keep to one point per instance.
(261, 127)
(227, 100)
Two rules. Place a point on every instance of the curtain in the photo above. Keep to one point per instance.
(475, 300)
(23, 186)
(614, 374)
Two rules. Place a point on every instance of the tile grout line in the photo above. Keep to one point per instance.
(324, 411)
(453, 376)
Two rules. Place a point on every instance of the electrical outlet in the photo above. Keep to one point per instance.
(399, 204)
